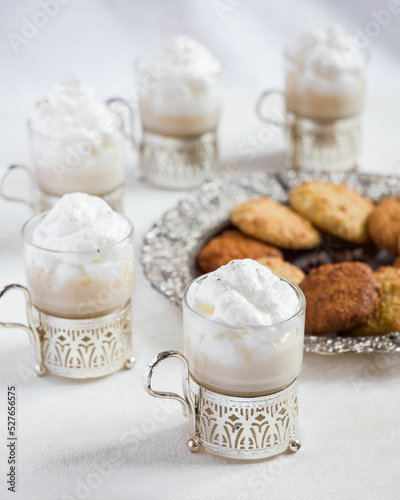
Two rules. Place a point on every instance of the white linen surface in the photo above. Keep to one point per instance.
(107, 439)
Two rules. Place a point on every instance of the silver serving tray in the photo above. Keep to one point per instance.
(171, 246)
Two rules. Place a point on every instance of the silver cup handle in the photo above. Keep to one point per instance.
(131, 134)
(188, 406)
(34, 335)
(148, 374)
(32, 201)
(277, 122)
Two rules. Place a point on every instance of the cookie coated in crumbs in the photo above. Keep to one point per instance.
(339, 296)
(386, 318)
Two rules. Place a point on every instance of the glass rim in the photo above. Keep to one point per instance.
(297, 314)
(41, 216)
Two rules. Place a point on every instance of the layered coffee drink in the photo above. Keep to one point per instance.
(243, 330)
(325, 76)
(186, 98)
(325, 93)
(79, 258)
(77, 142)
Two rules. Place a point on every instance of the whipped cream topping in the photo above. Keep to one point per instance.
(80, 222)
(328, 61)
(71, 110)
(184, 58)
(188, 81)
(81, 230)
(244, 293)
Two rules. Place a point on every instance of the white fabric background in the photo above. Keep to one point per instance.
(107, 439)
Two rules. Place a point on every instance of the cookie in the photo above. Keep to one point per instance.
(334, 208)
(339, 296)
(230, 245)
(384, 225)
(283, 268)
(386, 318)
(276, 224)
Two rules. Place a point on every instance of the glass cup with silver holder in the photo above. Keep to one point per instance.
(242, 405)
(78, 306)
(175, 106)
(78, 144)
(324, 97)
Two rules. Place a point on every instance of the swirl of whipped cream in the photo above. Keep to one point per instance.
(328, 61)
(71, 110)
(244, 293)
(184, 58)
(79, 236)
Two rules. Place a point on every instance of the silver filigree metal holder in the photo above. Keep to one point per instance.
(233, 427)
(178, 162)
(319, 145)
(77, 348)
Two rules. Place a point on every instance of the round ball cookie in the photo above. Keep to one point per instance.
(386, 318)
(384, 224)
(334, 208)
(339, 296)
(276, 224)
(230, 245)
(283, 268)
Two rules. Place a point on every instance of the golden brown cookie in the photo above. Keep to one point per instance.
(334, 208)
(339, 296)
(386, 318)
(283, 268)
(384, 224)
(276, 224)
(230, 245)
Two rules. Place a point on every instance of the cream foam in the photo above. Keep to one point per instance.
(77, 237)
(184, 58)
(71, 110)
(244, 293)
(327, 61)
(189, 81)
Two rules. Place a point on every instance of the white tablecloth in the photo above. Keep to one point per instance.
(107, 439)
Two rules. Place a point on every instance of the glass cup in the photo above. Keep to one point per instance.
(177, 143)
(78, 306)
(92, 164)
(322, 129)
(240, 383)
